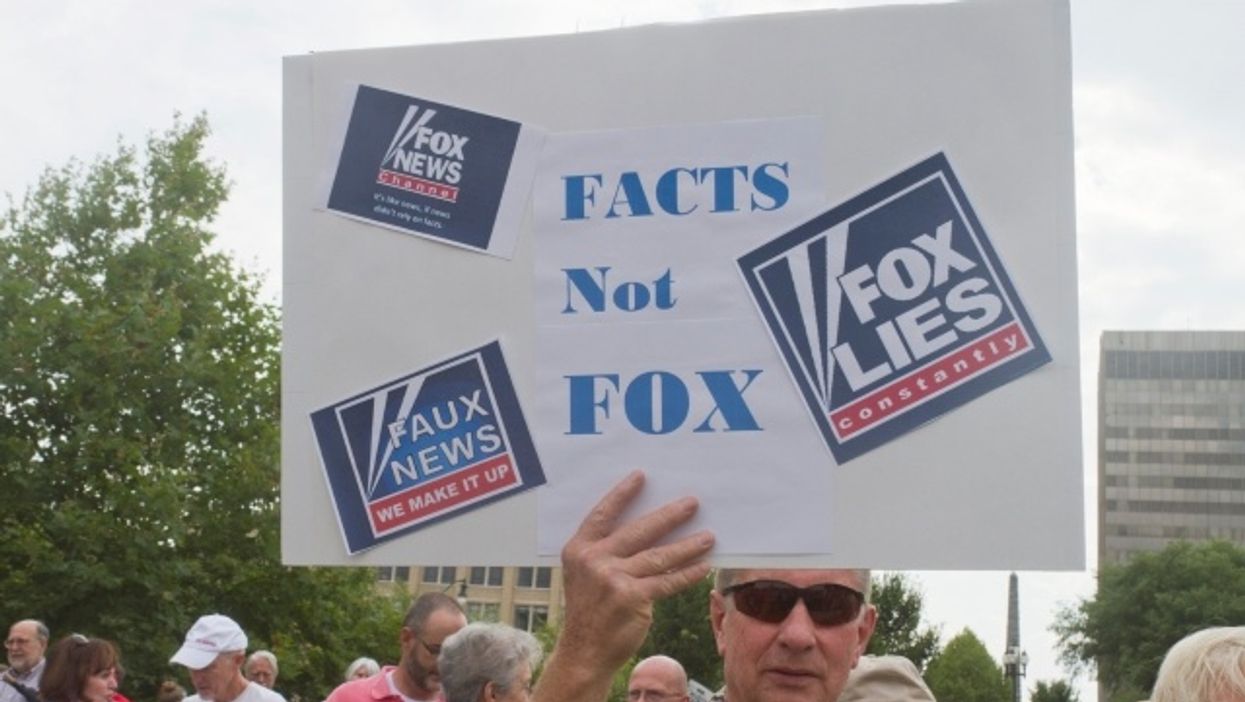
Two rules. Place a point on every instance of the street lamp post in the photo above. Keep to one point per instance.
(1014, 663)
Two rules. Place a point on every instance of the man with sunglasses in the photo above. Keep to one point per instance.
(784, 635)
(427, 624)
(790, 634)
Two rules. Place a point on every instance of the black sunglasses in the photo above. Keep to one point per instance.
(771, 601)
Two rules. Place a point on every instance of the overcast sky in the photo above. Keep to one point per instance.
(1160, 151)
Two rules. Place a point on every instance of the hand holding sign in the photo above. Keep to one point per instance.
(613, 574)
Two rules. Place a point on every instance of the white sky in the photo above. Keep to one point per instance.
(1159, 145)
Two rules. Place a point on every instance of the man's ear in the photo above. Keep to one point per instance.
(717, 612)
(864, 630)
(490, 691)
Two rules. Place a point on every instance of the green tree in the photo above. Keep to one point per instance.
(139, 376)
(1054, 691)
(681, 630)
(1144, 606)
(899, 602)
(965, 672)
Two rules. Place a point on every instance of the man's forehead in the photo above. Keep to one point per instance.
(24, 628)
(803, 577)
(442, 623)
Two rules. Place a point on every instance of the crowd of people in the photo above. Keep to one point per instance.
(785, 635)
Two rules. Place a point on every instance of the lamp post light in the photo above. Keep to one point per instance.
(1015, 661)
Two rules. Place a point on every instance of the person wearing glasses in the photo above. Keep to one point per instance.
(657, 679)
(80, 669)
(214, 652)
(27, 642)
(488, 663)
(431, 619)
(789, 635)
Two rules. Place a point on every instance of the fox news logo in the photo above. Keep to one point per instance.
(424, 167)
(424, 160)
(425, 447)
(892, 309)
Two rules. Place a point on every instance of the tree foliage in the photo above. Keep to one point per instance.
(1146, 605)
(139, 377)
(965, 672)
(899, 632)
(1054, 691)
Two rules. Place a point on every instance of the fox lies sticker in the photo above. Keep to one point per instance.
(433, 170)
(420, 449)
(892, 309)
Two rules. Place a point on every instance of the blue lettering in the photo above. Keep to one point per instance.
(584, 403)
(630, 192)
(770, 186)
(668, 191)
(639, 402)
(729, 401)
(578, 192)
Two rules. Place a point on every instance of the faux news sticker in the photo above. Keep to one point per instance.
(892, 309)
(435, 170)
(420, 449)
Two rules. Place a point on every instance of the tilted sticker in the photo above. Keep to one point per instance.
(443, 440)
(432, 169)
(892, 309)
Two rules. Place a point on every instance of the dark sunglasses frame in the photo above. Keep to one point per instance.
(770, 601)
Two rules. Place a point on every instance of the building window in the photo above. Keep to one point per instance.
(392, 574)
(484, 611)
(444, 575)
(530, 617)
(539, 578)
(490, 577)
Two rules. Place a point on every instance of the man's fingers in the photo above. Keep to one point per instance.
(600, 520)
(670, 558)
(644, 531)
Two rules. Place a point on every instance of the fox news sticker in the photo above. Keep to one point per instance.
(423, 448)
(892, 309)
(435, 170)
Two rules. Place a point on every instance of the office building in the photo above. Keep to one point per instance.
(524, 597)
(1171, 440)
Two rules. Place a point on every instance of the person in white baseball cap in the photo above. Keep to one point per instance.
(214, 652)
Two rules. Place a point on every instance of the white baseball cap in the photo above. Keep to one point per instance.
(211, 636)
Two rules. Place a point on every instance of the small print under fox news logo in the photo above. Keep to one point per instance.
(892, 309)
(425, 447)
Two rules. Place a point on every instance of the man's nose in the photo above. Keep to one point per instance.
(798, 630)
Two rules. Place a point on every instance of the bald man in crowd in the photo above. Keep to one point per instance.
(657, 679)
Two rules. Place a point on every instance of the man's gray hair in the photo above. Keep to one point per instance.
(1205, 665)
(483, 653)
(725, 577)
(265, 655)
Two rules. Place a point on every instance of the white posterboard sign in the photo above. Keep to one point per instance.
(884, 371)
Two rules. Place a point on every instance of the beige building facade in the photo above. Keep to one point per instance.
(526, 597)
(1171, 440)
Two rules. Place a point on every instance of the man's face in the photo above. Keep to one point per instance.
(259, 670)
(794, 660)
(214, 681)
(419, 652)
(655, 681)
(24, 647)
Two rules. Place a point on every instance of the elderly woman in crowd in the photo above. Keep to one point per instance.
(1205, 666)
(80, 670)
(362, 668)
(488, 663)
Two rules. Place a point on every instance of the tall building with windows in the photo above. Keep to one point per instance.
(1171, 440)
(521, 596)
